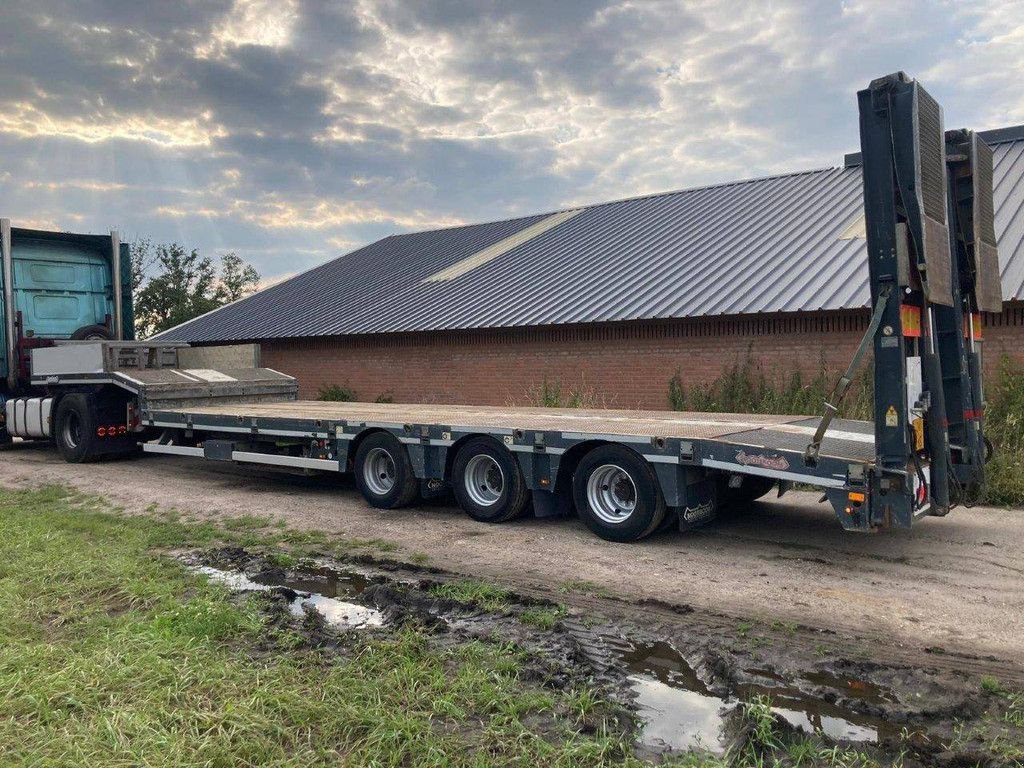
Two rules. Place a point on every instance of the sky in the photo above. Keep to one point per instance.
(293, 131)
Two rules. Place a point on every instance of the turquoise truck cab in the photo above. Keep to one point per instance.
(59, 286)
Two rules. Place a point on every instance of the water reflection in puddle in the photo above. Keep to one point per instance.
(679, 712)
(677, 709)
(317, 588)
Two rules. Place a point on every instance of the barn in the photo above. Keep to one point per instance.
(608, 300)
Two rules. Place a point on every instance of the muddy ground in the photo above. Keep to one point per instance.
(870, 638)
(679, 681)
(951, 587)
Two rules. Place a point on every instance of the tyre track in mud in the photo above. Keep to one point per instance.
(948, 594)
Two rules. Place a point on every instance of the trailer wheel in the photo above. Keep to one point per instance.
(75, 429)
(488, 482)
(617, 494)
(384, 473)
(752, 489)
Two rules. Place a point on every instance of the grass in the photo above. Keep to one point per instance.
(747, 387)
(1004, 426)
(553, 394)
(113, 654)
(479, 594)
(991, 684)
(337, 393)
(583, 587)
(419, 558)
(543, 617)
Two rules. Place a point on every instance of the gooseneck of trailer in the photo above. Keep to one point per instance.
(932, 268)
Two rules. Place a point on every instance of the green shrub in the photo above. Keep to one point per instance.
(337, 393)
(745, 387)
(1004, 426)
(550, 394)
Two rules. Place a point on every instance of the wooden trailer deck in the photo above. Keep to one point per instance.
(846, 439)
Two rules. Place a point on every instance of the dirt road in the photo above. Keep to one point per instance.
(955, 583)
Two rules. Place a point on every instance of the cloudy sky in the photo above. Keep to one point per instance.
(292, 131)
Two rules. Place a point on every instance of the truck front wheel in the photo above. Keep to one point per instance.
(75, 429)
(617, 494)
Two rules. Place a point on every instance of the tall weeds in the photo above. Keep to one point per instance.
(1004, 426)
(746, 387)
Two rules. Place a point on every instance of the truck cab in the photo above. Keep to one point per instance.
(58, 286)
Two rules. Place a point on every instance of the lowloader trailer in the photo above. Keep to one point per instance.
(933, 269)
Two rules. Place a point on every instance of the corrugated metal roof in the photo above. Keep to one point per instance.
(774, 244)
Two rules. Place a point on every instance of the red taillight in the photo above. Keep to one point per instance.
(101, 432)
(122, 430)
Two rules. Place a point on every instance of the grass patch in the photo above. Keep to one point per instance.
(111, 654)
(543, 617)
(480, 594)
(554, 394)
(991, 684)
(247, 523)
(583, 587)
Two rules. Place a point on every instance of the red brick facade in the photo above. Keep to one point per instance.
(621, 365)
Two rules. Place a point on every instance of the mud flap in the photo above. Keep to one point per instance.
(700, 504)
(550, 504)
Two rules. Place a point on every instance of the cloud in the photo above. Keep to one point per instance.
(293, 130)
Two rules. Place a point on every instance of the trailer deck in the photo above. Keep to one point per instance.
(848, 439)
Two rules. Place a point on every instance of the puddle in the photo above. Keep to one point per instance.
(679, 712)
(677, 709)
(318, 588)
(852, 687)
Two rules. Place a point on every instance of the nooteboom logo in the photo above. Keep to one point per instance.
(760, 460)
(699, 513)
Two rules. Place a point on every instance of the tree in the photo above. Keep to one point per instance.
(237, 279)
(172, 285)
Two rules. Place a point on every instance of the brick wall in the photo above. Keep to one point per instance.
(624, 365)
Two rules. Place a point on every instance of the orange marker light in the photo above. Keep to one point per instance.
(856, 497)
(910, 319)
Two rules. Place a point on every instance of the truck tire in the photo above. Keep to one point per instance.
(488, 482)
(383, 472)
(92, 333)
(74, 429)
(617, 494)
(752, 489)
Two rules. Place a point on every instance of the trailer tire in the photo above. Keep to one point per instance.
(92, 332)
(617, 494)
(752, 489)
(488, 482)
(74, 429)
(383, 472)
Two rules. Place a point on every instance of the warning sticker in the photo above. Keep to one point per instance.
(891, 417)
